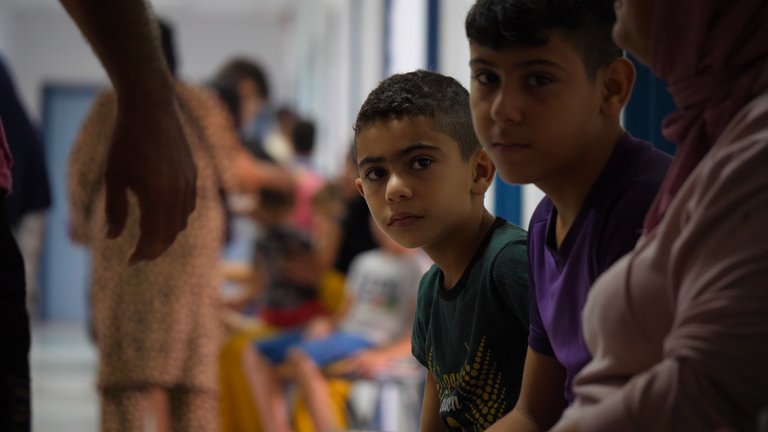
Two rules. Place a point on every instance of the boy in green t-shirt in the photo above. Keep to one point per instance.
(424, 174)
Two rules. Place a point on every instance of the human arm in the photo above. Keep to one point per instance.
(148, 151)
(367, 363)
(541, 399)
(238, 169)
(712, 370)
(254, 174)
(430, 408)
(237, 271)
(236, 322)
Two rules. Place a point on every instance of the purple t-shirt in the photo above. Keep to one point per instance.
(607, 226)
(5, 162)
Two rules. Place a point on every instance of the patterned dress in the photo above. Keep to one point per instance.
(157, 323)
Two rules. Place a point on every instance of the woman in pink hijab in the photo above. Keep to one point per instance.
(679, 327)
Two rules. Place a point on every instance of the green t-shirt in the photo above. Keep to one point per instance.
(473, 338)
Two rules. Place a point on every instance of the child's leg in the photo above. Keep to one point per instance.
(306, 362)
(314, 390)
(266, 391)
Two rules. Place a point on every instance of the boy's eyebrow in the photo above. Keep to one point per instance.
(370, 160)
(409, 149)
(518, 65)
(537, 62)
(481, 61)
(417, 146)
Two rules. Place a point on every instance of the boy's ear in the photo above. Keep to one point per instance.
(484, 172)
(618, 79)
(359, 184)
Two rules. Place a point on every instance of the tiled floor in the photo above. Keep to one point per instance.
(63, 376)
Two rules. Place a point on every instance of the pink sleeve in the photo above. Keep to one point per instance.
(714, 371)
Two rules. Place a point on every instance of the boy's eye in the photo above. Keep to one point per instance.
(421, 163)
(538, 80)
(375, 173)
(486, 78)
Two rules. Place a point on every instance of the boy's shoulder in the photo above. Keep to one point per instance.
(635, 170)
(506, 232)
(505, 242)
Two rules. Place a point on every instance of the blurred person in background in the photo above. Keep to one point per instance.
(157, 324)
(279, 142)
(284, 258)
(27, 205)
(308, 179)
(369, 331)
(257, 119)
(356, 235)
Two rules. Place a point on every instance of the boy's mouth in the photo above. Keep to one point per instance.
(507, 146)
(403, 219)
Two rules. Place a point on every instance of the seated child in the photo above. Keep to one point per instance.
(424, 176)
(283, 283)
(548, 87)
(369, 331)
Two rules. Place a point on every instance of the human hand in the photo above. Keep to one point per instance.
(149, 154)
(318, 328)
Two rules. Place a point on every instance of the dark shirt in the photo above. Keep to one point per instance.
(473, 338)
(607, 227)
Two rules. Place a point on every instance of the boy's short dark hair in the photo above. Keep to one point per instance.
(304, 137)
(425, 94)
(500, 24)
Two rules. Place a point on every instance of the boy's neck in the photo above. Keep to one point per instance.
(397, 251)
(453, 253)
(568, 190)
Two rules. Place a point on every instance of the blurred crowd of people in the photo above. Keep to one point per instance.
(158, 325)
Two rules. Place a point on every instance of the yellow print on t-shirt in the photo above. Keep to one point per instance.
(477, 385)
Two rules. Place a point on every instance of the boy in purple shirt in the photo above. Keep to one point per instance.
(548, 87)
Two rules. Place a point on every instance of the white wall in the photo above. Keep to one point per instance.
(453, 57)
(408, 35)
(318, 59)
(45, 46)
(370, 58)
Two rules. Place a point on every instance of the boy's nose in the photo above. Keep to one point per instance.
(397, 189)
(506, 107)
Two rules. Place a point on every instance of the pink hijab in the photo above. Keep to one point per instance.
(711, 53)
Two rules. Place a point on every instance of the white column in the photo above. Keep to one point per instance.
(408, 35)
(454, 48)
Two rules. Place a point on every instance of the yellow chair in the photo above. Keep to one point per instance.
(238, 413)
